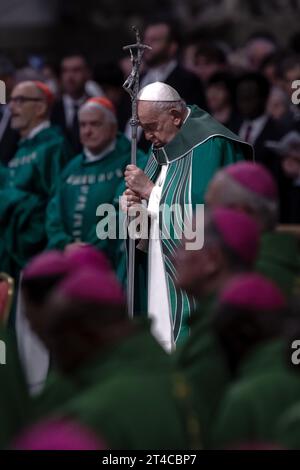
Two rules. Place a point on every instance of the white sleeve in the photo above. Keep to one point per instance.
(154, 200)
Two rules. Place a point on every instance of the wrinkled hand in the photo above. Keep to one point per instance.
(138, 182)
(129, 199)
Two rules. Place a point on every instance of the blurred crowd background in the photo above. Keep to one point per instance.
(238, 60)
(93, 378)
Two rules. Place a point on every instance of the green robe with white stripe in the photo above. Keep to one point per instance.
(201, 147)
(84, 186)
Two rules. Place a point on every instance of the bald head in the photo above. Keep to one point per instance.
(29, 107)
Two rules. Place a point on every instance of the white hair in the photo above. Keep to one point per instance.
(163, 106)
(109, 115)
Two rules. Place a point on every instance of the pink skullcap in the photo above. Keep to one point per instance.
(87, 256)
(94, 286)
(239, 231)
(253, 292)
(47, 264)
(254, 177)
(58, 435)
(102, 102)
(46, 91)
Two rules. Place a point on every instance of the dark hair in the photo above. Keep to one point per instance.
(108, 73)
(174, 30)
(262, 83)
(288, 63)
(225, 79)
(212, 53)
(75, 53)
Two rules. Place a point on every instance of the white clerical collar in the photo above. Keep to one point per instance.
(37, 129)
(92, 157)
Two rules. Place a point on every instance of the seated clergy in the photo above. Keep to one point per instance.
(91, 179)
(28, 181)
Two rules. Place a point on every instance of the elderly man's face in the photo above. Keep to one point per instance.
(160, 127)
(27, 107)
(96, 131)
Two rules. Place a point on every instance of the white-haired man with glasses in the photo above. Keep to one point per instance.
(28, 182)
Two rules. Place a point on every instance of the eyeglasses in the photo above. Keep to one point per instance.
(22, 99)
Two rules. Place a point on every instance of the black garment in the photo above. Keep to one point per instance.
(8, 141)
(271, 131)
(58, 118)
(234, 122)
(289, 196)
(290, 203)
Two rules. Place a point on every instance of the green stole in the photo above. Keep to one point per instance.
(198, 129)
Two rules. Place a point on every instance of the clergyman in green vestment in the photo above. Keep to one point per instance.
(89, 182)
(188, 147)
(28, 182)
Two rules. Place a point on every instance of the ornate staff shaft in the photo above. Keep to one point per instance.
(131, 85)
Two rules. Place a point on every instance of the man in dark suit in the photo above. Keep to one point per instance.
(74, 76)
(162, 66)
(8, 137)
(258, 129)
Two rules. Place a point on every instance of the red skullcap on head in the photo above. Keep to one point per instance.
(50, 263)
(253, 292)
(87, 256)
(239, 231)
(46, 91)
(102, 102)
(254, 177)
(94, 286)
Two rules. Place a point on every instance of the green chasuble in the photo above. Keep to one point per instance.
(201, 147)
(84, 186)
(130, 396)
(279, 260)
(265, 388)
(202, 362)
(30, 179)
(288, 427)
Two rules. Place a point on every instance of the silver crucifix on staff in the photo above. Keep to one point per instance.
(131, 85)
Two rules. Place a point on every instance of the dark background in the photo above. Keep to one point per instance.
(99, 28)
